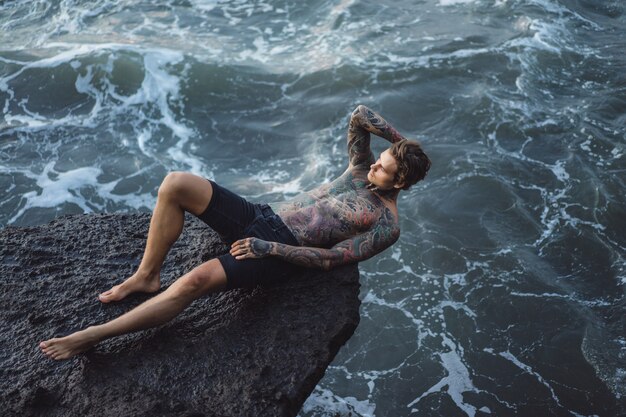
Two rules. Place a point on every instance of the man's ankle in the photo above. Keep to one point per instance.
(148, 273)
(95, 334)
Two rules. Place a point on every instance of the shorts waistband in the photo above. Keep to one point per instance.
(266, 210)
(277, 223)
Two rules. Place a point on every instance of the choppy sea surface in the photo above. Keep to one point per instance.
(504, 295)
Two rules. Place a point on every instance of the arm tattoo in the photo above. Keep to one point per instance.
(349, 251)
(363, 122)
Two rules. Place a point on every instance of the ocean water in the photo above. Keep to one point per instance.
(504, 295)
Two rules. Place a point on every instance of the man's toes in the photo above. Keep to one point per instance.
(47, 346)
(106, 297)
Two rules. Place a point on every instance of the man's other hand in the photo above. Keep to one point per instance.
(250, 248)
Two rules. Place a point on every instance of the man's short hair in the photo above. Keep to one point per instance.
(413, 164)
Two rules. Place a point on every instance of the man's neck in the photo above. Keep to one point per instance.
(390, 195)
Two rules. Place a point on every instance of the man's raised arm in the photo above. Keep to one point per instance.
(349, 251)
(363, 122)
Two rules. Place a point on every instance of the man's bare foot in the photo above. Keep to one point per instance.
(68, 346)
(136, 283)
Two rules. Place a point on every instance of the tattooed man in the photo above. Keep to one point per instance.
(346, 221)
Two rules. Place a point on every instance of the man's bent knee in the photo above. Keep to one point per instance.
(191, 192)
(172, 184)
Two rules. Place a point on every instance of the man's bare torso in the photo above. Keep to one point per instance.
(348, 220)
(336, 211)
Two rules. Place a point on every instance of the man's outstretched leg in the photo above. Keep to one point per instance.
(206, 278)
(179, 192)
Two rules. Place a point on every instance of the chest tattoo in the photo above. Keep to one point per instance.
(334, 212)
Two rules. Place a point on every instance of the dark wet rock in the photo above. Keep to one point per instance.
(256, 352)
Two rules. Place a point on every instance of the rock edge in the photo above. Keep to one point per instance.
(257, 352)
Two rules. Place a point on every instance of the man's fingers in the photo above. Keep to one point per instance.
(237, 251)
(238, 245)
(241, 242)
(241, 249)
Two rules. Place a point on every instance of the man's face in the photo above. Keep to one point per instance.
(382, 171)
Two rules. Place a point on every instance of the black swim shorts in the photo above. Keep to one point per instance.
(234, 218)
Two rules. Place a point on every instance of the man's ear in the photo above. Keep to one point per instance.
(398, 185)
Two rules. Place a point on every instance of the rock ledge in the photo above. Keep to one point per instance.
(253, 352)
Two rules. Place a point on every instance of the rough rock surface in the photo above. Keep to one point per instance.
(257, 352)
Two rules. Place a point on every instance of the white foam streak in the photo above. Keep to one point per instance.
(454, 2)
(59, 188)
(159, 88)
(554, 213)
(457, 380)
(204, 5)
(422, 330)
(64, 189)
(528, 369)
(457, 306)
(276, 180)
(323, 399)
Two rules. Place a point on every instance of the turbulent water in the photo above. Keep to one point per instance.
(505, 293)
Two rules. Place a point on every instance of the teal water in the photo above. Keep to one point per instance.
(505, 293)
